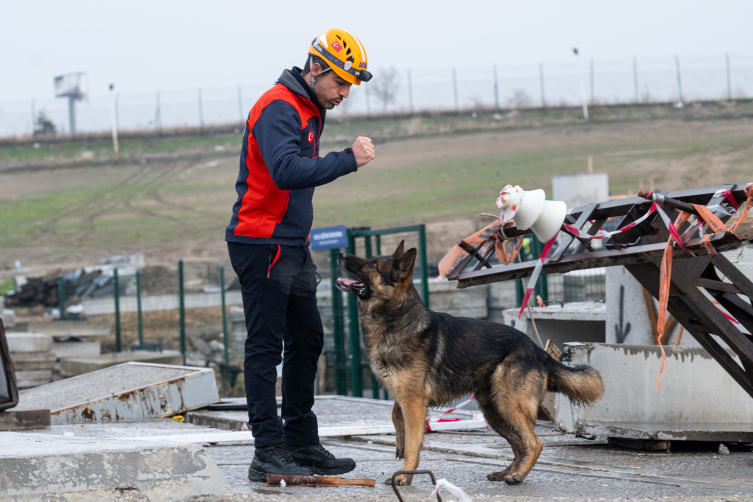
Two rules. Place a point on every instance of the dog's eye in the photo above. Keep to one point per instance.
(373, 264)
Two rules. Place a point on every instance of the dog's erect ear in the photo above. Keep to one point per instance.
(400, 250)
(404, 264)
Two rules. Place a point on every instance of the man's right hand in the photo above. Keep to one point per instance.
(363, 149)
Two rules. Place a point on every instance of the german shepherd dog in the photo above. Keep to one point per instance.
(428, 359)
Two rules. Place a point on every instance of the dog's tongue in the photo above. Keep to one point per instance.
(346, 280)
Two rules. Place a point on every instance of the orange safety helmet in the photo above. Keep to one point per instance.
(344, 53)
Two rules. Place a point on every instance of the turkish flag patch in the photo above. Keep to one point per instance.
(311, 135)
(337, 46)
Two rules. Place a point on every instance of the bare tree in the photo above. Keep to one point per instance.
(385, 86)
(519, 99)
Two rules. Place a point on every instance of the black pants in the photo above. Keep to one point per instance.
(279, 300)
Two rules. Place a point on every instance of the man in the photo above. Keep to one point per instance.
(268, 245)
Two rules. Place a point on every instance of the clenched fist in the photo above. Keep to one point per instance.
(363, 149)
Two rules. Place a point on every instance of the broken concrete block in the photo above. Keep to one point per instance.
(697, 401)
(48, 467)
(71, 328)
(74, 366)
(8, 317)
(26, 379)
(131, 392)
(25, 361)
(29, 342)
(73, 347)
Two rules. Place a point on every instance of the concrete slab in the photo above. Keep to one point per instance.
(75, 347)
(9, 317)
(569, 468)
(696, 398)
(129, 392)
(36, 466)
(28, 342)
(33, 378)
(33, 361)
(74, 366)
(575, 322)
(71, 328)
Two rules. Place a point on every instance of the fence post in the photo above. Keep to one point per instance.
(424, 265)
(679, 79)
(410, 94)
(116, 290)
(117, 114)
(353, 328)
(201, 115)
(455, 90)
(729, 80)
(635, 79)
(240, 105)
(368, 103)
(541, 84)
(138, 308)
(156, 118)
(338, 331)
(592, 82)
(182, 307)
(496, 92)
(224, 314)
(61, 296)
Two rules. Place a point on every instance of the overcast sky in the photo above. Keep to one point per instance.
(182, 44)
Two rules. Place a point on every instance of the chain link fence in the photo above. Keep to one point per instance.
(681, 79)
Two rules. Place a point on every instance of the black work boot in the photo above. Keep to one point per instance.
(319, 460)
(274, 460)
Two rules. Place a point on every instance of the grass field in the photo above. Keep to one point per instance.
(179, 208)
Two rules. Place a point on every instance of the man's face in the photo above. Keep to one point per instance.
(330, 89)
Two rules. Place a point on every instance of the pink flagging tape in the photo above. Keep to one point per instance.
(671, 228)
(535, 275)
(727, 194)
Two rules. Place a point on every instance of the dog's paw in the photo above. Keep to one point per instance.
(514, 479)
(499, 476)
(401, 480)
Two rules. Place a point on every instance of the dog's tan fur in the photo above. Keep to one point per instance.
(428, 359)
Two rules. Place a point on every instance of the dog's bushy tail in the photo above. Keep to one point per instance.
(582, 384)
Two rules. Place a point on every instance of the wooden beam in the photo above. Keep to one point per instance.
(606, 258)
(718, 286)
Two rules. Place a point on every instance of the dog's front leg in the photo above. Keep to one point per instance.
(398, 420)
(414, 414)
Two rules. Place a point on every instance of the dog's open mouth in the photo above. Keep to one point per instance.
(350, 285)
(349, 282)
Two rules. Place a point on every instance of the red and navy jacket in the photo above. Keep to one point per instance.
(280, 166)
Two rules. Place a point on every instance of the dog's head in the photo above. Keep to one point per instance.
(377, 278)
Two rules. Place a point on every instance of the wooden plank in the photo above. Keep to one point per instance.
(694, 322)
(721, 326)
(585, 215)
(585, 244)
(733, 273)
(23, 420)
(718, 286)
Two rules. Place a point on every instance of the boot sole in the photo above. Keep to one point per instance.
(332, 472)
(256, 476)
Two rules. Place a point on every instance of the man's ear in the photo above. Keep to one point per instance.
(400, 250)
(404, 264)
(316, 69)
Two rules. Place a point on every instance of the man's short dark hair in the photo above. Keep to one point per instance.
(311, 60)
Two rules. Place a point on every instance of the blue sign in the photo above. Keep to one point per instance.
(329, 238)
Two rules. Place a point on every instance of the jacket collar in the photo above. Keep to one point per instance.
(293, 80)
